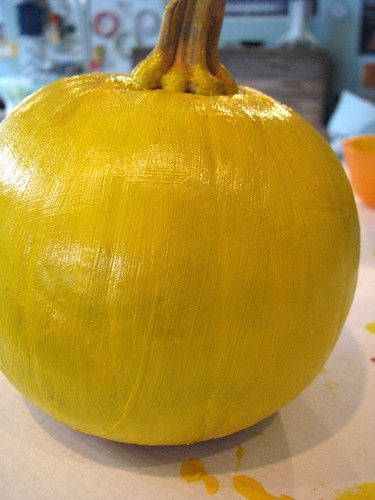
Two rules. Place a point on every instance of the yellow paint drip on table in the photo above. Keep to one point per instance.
(194, 470)
(330, 387)
(370, 327)
(240, 452)
(253, 490)
(365, 491)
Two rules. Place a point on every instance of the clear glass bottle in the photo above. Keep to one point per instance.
(299, 34)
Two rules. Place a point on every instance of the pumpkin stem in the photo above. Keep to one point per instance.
(186, 57)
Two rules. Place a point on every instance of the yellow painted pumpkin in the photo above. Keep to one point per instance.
(178, 255)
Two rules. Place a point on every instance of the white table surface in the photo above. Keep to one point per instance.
(317, 446)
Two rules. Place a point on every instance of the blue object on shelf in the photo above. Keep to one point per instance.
(30, 18)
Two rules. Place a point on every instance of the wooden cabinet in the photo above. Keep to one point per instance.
(297, 78)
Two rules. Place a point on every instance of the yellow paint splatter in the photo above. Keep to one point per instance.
(330, 386)
(322, 485)
(240, 452)
(370, 327)
(253, 490)
(193, 470)
(364, 491)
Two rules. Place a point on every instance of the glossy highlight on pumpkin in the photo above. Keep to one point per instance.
(175, 267)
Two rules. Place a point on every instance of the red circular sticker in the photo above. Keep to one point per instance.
(106, 23)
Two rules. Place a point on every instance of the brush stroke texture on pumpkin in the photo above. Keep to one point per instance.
(175, 267)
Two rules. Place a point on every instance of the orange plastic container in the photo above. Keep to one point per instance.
(359, 154)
